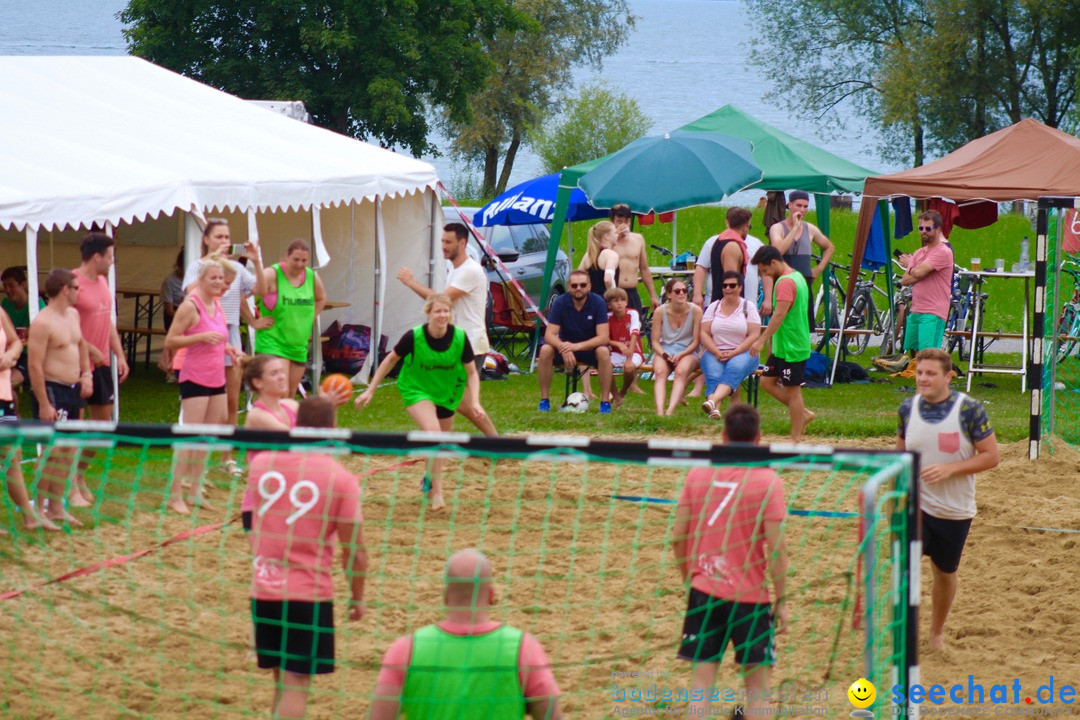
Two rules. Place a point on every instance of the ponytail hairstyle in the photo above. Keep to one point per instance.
(596, 232)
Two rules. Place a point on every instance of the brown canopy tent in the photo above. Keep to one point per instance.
(1025, 161)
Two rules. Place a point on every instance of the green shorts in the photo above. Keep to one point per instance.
(923, 331)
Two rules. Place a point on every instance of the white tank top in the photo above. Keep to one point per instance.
(943, 442)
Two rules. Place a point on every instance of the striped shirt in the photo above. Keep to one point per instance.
(230, 301)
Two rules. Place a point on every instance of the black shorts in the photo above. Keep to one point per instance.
(104, 391)
(8, 412)
(633, 299)
(245, 520)
(791, 374)
(67, 400)
(189, 389)
(711, 623)
(22, 365)
(294, 635)
(443, 413)
(943, 541)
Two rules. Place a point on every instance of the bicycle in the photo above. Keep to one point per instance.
(962, 312)
(1068, 325)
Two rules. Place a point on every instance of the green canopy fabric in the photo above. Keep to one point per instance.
(787, 163)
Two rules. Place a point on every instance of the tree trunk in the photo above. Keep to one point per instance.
(918, 138)
(508, 163)
(491, 167)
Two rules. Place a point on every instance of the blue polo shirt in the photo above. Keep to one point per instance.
(578, 325)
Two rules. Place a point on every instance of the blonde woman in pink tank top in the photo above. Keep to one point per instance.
(200, 327)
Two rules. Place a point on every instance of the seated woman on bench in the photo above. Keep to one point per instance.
(728, 329)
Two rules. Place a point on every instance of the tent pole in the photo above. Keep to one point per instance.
(570, 243)
(883, 208)
(110, 231)
(32, 272)
(821, 205)
(562, 205)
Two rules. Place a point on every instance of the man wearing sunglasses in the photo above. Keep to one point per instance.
(577, 332)
(930, 274)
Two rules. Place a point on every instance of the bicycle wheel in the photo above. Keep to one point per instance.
(820, 311)
(954, 325)
(1067, 327)
(860, 317)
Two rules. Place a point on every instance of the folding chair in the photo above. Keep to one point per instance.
(511, 324)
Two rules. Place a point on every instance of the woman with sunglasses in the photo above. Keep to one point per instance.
(729, 327)
(675, 331)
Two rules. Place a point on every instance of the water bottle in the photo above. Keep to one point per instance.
(1024, 258)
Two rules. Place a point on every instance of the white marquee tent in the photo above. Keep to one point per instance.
(148, 153)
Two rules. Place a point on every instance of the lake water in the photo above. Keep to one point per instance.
(675, 64)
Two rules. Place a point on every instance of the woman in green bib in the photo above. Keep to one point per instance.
(294, 298)
(437, 378)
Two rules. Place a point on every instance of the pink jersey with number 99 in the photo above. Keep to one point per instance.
(299, 499)
(728, 507)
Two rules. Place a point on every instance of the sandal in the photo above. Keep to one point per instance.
(425, 485)
(710, 410)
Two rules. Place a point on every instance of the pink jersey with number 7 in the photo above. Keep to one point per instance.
(299, 499)
(728, 508)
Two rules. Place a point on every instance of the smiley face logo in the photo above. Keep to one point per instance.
(862, 693)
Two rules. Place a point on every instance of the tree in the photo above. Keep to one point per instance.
(593, 124)
(365, 68)
(940, 72)
(531, 64)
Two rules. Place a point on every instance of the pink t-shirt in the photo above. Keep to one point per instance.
(729, 332)
(728, 508)
(932, 293)
(95, 312)
(300, 499)
(534, 671)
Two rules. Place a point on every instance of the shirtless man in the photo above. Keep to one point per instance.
(632, 259)
(61, 378)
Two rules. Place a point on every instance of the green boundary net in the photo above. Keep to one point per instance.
(143, 613)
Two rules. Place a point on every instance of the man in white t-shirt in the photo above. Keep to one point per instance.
(703, 286)
(466, 286)
(703, 274)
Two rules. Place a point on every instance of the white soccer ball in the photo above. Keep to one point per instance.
(576, 403)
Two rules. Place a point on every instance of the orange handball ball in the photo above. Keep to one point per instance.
(337, 387)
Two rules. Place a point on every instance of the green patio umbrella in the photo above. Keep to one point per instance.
(672, 171)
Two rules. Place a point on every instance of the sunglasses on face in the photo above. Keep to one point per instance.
(927, 228)
(730, 285)
(578, 286)
(678, 291)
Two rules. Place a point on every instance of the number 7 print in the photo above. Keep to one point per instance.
(731, 488)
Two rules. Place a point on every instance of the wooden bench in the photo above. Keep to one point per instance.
(129, 338)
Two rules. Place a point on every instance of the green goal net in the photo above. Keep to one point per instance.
(144, 613)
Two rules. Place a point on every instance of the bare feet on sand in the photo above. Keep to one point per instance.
(78, 499)
(39, 522)
(437, 502)
(177, 505)
(66, 517)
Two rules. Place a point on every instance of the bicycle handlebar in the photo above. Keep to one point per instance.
(662, 250)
